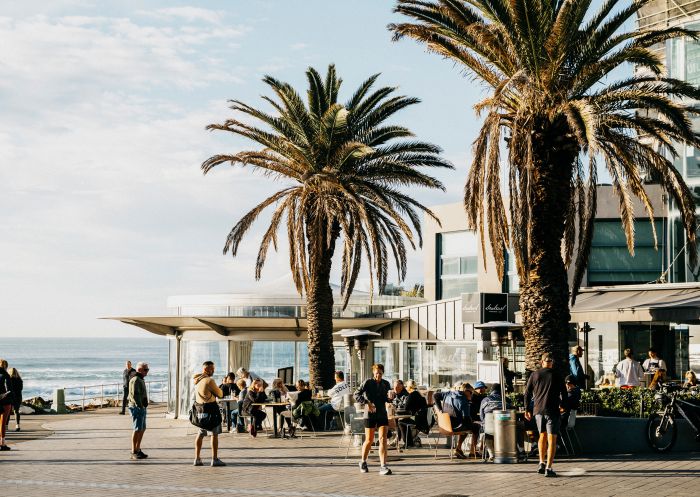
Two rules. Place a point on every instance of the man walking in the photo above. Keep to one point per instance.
(126, 376)
(206, 393)
(138, 405)
(547, 390)
(575, 368)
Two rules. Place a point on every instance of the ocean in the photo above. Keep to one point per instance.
(49, 363)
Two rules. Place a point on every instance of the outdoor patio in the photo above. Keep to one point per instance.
(88, 454)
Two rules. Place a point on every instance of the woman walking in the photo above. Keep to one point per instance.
(16, 385)
(5, 402)
(374, 394)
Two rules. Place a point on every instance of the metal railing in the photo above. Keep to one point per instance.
(96, 395)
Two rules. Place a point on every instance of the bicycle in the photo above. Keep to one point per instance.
(662, 430)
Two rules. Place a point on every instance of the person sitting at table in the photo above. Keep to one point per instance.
(256, 395)
(229, 387)
(336, 394)
(400, 395)
(690, 379)
(280, 393)
(478, 394)
(248, 376)
(303, 407)
(456, 403)
(415, 405)
(240, 421)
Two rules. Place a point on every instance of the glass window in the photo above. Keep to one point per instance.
(267, 357)
(193, 353)
(458, 263)
(411, 362)
(301, 368)
(610, 262)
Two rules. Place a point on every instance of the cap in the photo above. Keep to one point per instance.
(479, 384)
(570, 379)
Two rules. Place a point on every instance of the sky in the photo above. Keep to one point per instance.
(105, 211)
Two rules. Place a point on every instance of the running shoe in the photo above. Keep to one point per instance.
(550, 473)
(198, 462)
(217, 462)
(143, 456)
(541, 468)
(363, 467)
(384, 471)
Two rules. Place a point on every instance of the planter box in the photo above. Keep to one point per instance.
(600, 434)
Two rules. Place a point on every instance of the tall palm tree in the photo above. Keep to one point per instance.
(342, 169)
(546, 65)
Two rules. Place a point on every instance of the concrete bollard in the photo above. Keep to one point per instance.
(59, 401)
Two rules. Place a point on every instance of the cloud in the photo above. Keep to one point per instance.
(189, 14)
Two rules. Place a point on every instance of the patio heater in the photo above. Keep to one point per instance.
(358, 340)
(505, 446)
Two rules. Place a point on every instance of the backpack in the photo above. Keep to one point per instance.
(205, 416)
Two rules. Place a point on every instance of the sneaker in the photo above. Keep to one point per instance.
(550, 473)
(139, 455)
(198, 462)
(217, 462)
(540, 468)
(17, 428)
(384, 471)
(143, 456)
(363, 467)
(4, 447)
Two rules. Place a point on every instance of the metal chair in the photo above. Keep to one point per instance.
(357, 427)
(568, 435)
(348, 414)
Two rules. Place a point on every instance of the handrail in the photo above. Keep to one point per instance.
(113, 391)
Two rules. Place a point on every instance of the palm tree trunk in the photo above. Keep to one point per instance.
(544, 298)
(319, 313)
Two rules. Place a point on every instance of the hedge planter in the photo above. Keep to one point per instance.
(614, 435)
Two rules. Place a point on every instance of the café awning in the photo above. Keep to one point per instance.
(672, 302)
(230, 326)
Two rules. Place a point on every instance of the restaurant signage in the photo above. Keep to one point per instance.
(484, 307)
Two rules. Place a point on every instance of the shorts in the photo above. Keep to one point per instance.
(215, 431)
(548, 423)
(138, 417)
(377, 421)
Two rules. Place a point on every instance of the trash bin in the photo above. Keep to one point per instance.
(504, 437)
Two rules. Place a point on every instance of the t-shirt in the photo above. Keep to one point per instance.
(654, 364)
(337, 393)
(548, 391)
(628, 372)
(376, 393)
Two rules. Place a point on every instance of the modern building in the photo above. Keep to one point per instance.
(262, 332)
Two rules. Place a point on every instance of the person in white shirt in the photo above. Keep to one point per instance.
(337, 393)
(628, 372)
(654, 363)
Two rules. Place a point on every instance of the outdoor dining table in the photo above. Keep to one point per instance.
(274, 417)
(227, 401)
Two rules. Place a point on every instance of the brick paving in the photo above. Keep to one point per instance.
(88, 454)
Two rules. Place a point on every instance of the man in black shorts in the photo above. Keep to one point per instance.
(373, 394)
(548, 391)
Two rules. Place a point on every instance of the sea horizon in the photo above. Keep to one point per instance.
(47, 363)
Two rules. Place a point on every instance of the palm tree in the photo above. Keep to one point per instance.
(342, 169)
(546, 65)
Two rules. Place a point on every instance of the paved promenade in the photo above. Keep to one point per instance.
(88, 454)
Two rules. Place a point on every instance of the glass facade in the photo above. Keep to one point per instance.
(192, 354)
(610, 263)
(683, 62)
(457, 264)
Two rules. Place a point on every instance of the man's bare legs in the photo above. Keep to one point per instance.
(551, 449)
(383, 431)
(367, 445)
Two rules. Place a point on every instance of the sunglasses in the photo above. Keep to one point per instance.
(145, 369)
